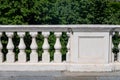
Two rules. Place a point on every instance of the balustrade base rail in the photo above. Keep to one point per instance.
(32, 66)
(59, 67)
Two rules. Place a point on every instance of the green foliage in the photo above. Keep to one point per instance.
(63, 12)
(16, 41)
(17, 12)
(43, 12)
(64, 40)
(72, 12)
(116, 41)
(27, 40)
(39, 40)
(99, 10)
(59, 12)
(85, 12)
(51, 41)
(4, 41)
(115, 12)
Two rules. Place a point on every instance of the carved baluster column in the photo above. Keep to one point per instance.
(10, 55)
(45, 55)
(68, 48)
(22, 54)
(57, 46)
(1, 54)
(33, 55)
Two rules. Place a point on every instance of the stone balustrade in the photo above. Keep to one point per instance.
(89, 48)
(22, 58)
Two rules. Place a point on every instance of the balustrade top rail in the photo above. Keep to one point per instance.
(59, 28)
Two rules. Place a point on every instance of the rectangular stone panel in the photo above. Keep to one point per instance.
(91, 49)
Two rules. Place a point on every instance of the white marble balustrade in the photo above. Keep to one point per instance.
(57, 54)
(10, 55)
(22, 54)
(33, 46)
(89, 48)
(22, 57)
(45, 55)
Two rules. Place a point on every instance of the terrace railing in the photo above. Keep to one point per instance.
(89, 48)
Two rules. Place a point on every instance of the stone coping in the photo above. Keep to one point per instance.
(60, 28)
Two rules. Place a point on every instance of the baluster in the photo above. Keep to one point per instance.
(10, 55)
(22, 54)
(1, 54)
(45, 55)
(68, 48)
(57, 46)
(33, 55)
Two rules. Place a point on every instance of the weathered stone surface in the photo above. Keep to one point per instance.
(56, 75)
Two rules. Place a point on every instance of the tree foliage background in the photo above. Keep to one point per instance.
(56, 12)
(59, 12)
